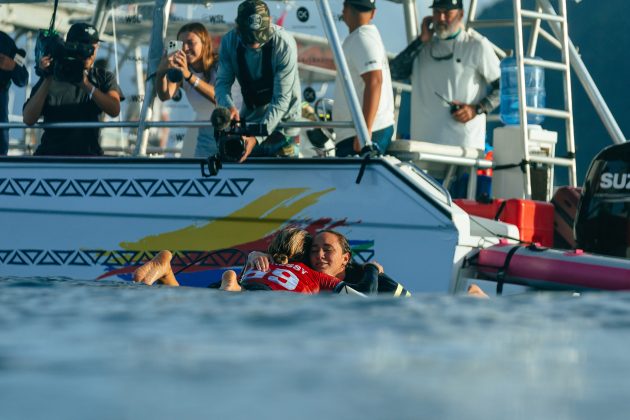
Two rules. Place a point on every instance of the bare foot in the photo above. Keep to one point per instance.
(156, 269)
(475, 291)
(229, 283)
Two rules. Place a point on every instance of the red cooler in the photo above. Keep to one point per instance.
(534, 219)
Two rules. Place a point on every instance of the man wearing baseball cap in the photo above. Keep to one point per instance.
(263, 58)
(460, 66)
(70, 89)
(369, 71)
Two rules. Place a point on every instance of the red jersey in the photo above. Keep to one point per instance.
(291, 277)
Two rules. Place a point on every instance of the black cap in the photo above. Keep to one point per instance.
(364, 4)
(7, 45)
(83, 33)
(254, 21)
(447, 4)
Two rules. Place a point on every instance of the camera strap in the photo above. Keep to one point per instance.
(51, 27)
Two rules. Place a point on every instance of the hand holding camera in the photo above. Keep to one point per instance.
(45, 65)
(235, 138)
(174, 46)
(176, 59)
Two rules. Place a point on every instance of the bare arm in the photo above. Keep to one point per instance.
(164, 88)
(258, 260)
(371, 98)
(35, 105)
(203, 87)
(109, 101)
(200, 85)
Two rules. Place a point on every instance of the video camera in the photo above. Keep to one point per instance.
(68, 58)
(229, 134)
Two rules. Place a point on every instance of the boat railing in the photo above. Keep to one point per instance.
(160, 124)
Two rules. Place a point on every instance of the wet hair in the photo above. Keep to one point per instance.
(289, 245)
(343, 242)
(208, 56)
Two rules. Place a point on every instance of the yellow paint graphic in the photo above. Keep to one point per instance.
(250, 223)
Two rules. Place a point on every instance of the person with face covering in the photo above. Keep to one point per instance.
(462, 67)
(262, 57)
(59, 100)
(194, 69)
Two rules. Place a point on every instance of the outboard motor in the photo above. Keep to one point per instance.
(602, 223)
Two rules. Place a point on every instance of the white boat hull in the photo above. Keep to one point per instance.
(100, 218)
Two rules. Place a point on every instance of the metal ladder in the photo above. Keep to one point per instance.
(564, 66)
(558, 24)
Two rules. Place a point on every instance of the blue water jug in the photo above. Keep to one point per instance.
(535, 90)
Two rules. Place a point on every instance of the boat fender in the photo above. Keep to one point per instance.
(503, 270)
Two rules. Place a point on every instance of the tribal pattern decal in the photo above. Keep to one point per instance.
(202, 250)
(116, 259)
(119, 259)
(120, 187)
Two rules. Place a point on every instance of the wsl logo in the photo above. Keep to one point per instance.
(614, 181)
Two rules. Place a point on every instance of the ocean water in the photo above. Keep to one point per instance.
(114, 350)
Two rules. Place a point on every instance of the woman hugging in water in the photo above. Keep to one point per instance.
(286, 272)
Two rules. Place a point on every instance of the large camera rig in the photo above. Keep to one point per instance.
(68, 58)
(229, 134)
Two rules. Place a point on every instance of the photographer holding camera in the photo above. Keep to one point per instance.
(12, 69)
(263, 58)
(70, 89)
(193, 68)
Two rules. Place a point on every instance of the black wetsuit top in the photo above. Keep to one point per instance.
(386, 285)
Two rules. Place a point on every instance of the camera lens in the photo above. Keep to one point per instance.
(234, 148)
(174, 75)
